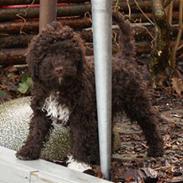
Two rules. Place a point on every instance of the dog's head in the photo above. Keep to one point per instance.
(55, 55)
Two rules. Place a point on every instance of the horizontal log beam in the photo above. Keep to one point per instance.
(31, 26)
(7, 28)
(17, 2)
(145, 5)
(15, 41)
(74, 10)
(20, 13)
(12, 56)
(135, 17)
(20, 2)
(138, 17)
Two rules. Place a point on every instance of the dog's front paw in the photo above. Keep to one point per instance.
(28, 153)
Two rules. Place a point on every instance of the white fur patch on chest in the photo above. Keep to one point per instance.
(56, 111)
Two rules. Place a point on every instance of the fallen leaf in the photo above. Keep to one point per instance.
(25, 85)
(177, 85)
(2, 93)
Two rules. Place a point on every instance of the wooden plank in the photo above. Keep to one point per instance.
(10, 172)
(17, 171)
(56, 173)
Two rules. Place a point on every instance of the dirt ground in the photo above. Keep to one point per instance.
(130, 163)
(10, 79)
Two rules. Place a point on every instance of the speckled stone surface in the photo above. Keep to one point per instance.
(14, 123)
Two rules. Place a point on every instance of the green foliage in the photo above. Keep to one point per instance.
(2, 93)
(25, 84)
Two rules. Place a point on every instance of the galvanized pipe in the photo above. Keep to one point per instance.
(47, 12)
(102, 34)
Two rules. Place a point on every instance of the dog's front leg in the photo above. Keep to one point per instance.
(84, 134)
(39, 130)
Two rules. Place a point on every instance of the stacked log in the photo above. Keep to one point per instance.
(16, 2)
(31, 26)
(12, 56)
(63, 11)
(19, 23)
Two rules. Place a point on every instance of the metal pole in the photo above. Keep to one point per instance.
(47, 12)
(102, 30)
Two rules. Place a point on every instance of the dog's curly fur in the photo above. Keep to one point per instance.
(56, 59)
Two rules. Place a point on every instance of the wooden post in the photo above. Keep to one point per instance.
(48, 12)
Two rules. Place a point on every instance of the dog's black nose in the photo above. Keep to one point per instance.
(59, 70)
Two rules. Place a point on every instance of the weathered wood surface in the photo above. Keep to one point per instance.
(38, 171)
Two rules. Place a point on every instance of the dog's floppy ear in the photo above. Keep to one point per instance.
(80, 65)
(34, 70)
(33, 66)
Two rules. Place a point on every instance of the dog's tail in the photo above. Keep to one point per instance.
(127, 42)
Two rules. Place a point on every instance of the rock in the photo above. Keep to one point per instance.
(116, 139)
(14, 123)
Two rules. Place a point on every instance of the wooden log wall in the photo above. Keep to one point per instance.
(19, 23)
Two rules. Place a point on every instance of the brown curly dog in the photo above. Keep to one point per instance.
(64, 92)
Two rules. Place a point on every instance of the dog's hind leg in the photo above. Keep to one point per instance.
(39, 130)
(138, 108)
